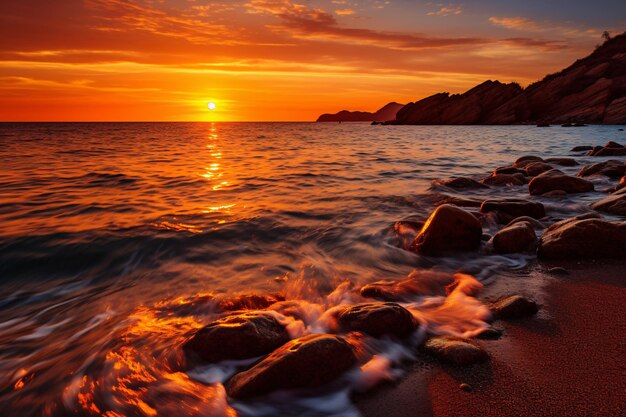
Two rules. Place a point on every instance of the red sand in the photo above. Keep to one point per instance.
(569, 360)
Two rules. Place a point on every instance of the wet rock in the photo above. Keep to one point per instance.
(418, 283)
(489, 333)
(504, 179)
(557, 270)
(525, 160)
(377, 319)
(508, 209)
(533, 222)
(465, 387)
(513, 306)
(583, 239)
(535, 168)
(621, 184)
(448, 229)
(460, 183)
(515, 238)
(406, 232)
(614, 204)
(581, 148)
(454, 351)
(555, 194)
(611, 168)
(239, 336)
(509, 170)
(557, 180)
(250, 302)
(566, 162)
(307, 362)
(609, 149)
(458, 201)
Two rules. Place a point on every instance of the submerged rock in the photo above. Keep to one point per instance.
(515, 238)
(509, 170)
(523, 161)
(448, 229)
(614, 204)
(239, 336)
(556, 180)
(533, 222)
(504, 179)
(508, 209)
(307, 362)
(513, 306)
(581, 148)
(250, 301)
(535, 168)
(566, 162)
(418, 283)
(489, 333)
(377, 319)
(460, 183)
(454, 351)
(609, 149)
(611, 168)
(583, 239)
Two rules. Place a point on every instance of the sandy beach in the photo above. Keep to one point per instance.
(566, 361)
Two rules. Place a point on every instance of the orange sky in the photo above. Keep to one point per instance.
(274, 59)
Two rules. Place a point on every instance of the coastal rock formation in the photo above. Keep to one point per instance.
(385, 113)
(610, 149)
(509, 209)
(535, 168)
(306, 362)
(583, 239)
(566, 162)
(454, 350)
(448, 229)
(592, 90)
(513, 306)
(418, 283)
(515, 238)
(614, 204)
(522, 161)
(554, 180)
(459, 183)
(611, 168)
(377, 319)
(239, 336)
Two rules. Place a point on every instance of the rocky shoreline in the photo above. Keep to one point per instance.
(281, 354)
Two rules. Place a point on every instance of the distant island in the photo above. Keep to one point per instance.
(385, 113)
(592, 90)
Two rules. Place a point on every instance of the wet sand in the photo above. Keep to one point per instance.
(569, 360)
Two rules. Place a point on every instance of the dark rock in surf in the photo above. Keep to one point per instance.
(533, 222)
(377, 319)
(418, 283)
(566, 162)
(460, 183)
(239, 336)
(513, 306)
(307, 362)
(454, 351)
(508, 209)
(611, 168)
(500, 180)
(556, 180)
(448, 229)
(489, 333)
(586, 238)
(509, 170)
(614, 204)
(535, 168)
(581, 148)
(621, 184)
(515, 238)
(522, 161)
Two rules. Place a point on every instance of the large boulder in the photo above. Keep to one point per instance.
(513, 306)
(610, 149)
(583, 238)
(611, 168)
(614, 204)
(535, 168)
(377, 319)
(508, 209)
(238, 336)
(454, 350)
(448, 229)
(460, 183)
(523, 161)
(556, 180)
(500, 180)
(515, 238)
(566, 162)
(307, 362)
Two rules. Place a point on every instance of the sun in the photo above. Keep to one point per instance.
(211, 105)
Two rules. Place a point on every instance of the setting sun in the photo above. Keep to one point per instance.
(211, 106)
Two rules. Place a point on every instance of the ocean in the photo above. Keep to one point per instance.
(115, 238)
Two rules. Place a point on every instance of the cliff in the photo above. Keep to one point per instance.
(387, 112)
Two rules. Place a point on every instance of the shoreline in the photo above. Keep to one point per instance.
(566, 361)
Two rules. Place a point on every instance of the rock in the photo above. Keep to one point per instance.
(406, 232)
(515, 238)
(581, 148)
(608, 152)
(611, 168)
(307, 362)
(454, 351)
(513, 306)
(250, 302)
(557, 270)
(465, 387)
(448, 229)
(611, 144)
(566, 162)
(535, 168)
(418, 283)
(489, 333)
(509, 170)
(614, 204)
(533, 222)
(509, 209)
(504, 179)
(583, 239)
(458, 201)
(377, 319)
(460, 183)
(557, 180)
(523, 161)
(239, 336)
(387, 112)
(621, 184)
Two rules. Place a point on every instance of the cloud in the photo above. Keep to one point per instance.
(527, 25)
(516, 23)
(447, 10)
(344, 12)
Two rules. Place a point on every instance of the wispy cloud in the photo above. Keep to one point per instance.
(447, 10)
(528, 25)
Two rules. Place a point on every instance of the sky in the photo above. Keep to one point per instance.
(275, 60)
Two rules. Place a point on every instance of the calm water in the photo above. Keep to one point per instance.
(106, 230)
